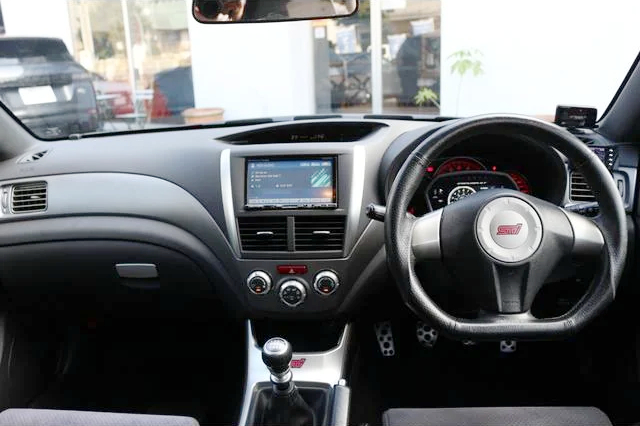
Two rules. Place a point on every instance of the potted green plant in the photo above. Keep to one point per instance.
(464, 63)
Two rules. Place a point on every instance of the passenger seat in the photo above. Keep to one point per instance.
(29, 417)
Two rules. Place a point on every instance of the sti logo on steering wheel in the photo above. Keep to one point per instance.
(509, 229)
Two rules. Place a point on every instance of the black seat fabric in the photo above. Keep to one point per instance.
(503, 416)
(28, 417)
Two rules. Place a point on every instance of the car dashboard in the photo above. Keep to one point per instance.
(182, 214)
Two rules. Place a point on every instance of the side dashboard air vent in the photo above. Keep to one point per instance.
(580, 189)
(263, 233)
(30, 158)
(29, 197)
(324, 233)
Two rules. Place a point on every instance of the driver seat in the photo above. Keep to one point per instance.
(496, 416)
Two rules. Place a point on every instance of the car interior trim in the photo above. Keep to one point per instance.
(628, 176)
(357, 191)
(326, 367)
(227, 200)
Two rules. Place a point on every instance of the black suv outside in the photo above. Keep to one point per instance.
(45, 88)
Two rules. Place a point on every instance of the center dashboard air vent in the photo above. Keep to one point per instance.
(263, 233)
(580, 189)
(319, 233)
(29, 197)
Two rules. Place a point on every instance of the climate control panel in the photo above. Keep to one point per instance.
(294, 287)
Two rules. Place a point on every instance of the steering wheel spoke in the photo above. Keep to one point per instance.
(587, 236)
(514, 289)
(425, 236)
(516, 286)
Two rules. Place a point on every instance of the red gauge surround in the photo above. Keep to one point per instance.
(459, 164)
(521, 182)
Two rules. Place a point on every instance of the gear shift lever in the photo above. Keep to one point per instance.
(276, 355)
(285, 406)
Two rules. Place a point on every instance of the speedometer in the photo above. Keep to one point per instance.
(459, 164)
(460, 193)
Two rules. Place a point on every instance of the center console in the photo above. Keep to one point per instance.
(297, 388)
(293, 220)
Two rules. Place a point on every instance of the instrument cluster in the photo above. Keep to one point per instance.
(453, 179)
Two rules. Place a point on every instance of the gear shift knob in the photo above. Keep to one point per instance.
(276, 355)
(285, 405)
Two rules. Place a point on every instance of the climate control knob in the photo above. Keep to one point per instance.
(293, 293)
(326, 283)
(259, 282)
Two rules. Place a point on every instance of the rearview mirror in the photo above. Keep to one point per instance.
(226, 11)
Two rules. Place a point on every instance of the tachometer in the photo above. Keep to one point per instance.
(460, 193)
(521, 181)
(459, 164)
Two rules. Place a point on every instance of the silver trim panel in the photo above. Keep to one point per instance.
(357, 192)
(319, 367)
(425, 236)
(227, 200)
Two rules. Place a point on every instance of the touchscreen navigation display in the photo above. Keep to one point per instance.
(291, 183)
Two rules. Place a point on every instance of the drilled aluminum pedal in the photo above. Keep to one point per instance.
(508, 346)
(384, 336)
(427, 335)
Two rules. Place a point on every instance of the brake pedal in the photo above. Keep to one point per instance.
(384, 336)
(427, 335)
(508, 346)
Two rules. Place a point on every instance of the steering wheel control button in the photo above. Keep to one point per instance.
(259, 282)
(293, 293)
(509, 229)
(326, 283)
(292, 269)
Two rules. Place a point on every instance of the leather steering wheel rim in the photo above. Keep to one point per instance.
(399, 232)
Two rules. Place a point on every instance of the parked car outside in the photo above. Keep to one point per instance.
(45, 88)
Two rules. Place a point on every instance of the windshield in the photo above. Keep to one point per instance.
(84, 66)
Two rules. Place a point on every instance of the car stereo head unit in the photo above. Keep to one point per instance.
(291, 183)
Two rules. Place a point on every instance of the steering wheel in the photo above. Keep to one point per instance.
(501, 245)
